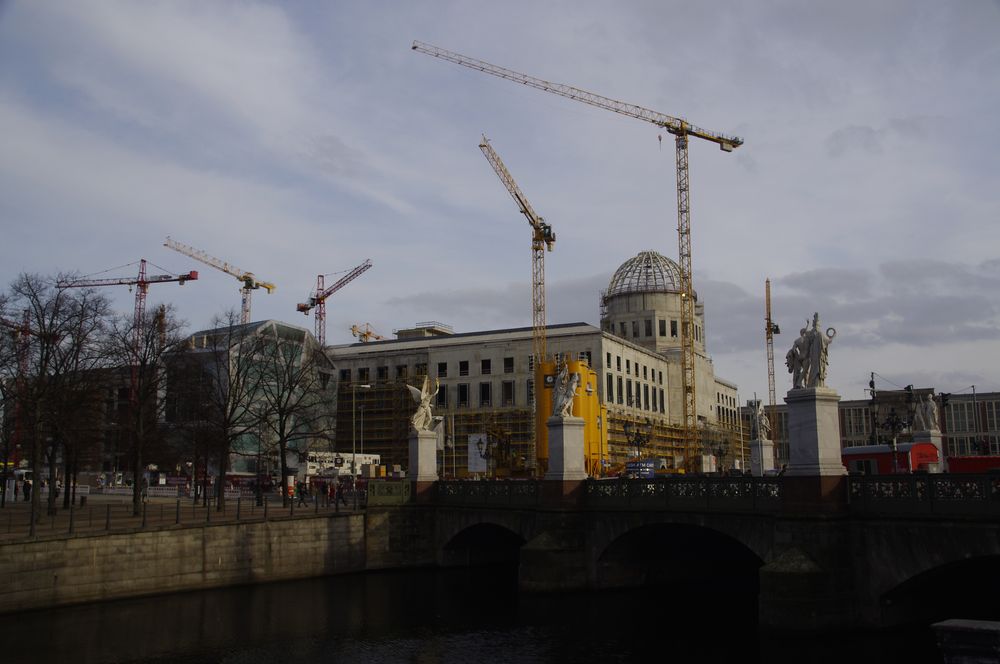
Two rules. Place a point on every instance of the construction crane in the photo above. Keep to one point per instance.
(770, 329)
(542, 238)
(318, 299)
(681, 129)
(141, 284)
(249, 281)
(366, 333)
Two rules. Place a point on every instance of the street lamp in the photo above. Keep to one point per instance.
(354, 432)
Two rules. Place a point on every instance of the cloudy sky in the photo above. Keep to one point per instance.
(293, 139)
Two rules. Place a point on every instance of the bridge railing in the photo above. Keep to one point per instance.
(741, 494)
(924, 494)
(679, 493)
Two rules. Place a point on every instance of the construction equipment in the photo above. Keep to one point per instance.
(681, 129)
(770, 329)
(542, 238)
(366, 333)
(249, 281)
(318, 299)
(141, 284)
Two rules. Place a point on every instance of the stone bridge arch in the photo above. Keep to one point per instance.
(473, 537)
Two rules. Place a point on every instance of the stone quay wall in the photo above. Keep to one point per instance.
(69, 570)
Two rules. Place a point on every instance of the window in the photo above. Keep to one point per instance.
(661, 378)
(673, 329)
(663, 327)
(585, 356)
(486, 367)
(382, 373)
(508, 365)
(636, 369)
(621, 328)
(531, 391)
(345, 375)
(507, 393)
(463, 368)
(363, 375)
(609, 359)
(442, 397)
(463, 395)
(421, 369)
(649, 327)
(619, 358)
(485, 394)
(628, 366)
(645, 397)
(442, 369)
(654, 400)
(620, 397)
(635, 329)
(610, 396)
(628, 393)
(663, 406)
(401, 371)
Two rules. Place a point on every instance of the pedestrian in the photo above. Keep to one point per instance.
(17, 488)
(301, 490)
(27, 491)
(340, 494)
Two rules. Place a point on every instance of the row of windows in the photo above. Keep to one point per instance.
(646, 371)
(634, 394)
(462, 394)
(647, 329)
(363, 374)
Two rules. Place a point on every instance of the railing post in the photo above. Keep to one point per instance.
(177, 515)
(266, 501)
(143, 515)
(71, 517)
(238, 504)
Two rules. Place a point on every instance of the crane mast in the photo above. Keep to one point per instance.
(770, 329)
(542, 238)
(250, 282)
(318, 299)
(681, 129)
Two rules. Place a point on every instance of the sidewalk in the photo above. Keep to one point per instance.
(113, 514)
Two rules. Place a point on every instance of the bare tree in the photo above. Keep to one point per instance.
(293, 397)
(141, 346)
(65, 327)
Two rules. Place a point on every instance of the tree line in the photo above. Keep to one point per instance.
(77, 378)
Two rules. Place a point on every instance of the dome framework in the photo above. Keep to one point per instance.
(648, 272)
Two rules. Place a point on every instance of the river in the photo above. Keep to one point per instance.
(428, 617)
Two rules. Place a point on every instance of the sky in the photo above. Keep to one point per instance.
(298, 138)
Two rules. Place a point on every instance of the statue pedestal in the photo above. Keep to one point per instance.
(934, 438)
(814, 432)
(423, 462)
(566, 462)
(761, 456)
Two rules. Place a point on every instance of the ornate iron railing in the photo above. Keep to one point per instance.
(951, 495)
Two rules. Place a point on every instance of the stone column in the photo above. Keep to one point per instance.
(566, 460)
(423, 462)
(815, 479)
(814, 432)
(761, 456)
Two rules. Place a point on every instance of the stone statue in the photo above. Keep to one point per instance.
(423, 418)
(919, 418)
(797, 359)
(819, 343)
(763, 423)
(929, 410)
(563, 392)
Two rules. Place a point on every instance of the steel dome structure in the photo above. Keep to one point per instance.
(648, 272)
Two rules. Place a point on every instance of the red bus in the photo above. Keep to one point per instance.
(880, 460)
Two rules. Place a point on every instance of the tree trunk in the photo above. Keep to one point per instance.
(220, 488)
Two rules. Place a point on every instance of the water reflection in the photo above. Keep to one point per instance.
(431, 616)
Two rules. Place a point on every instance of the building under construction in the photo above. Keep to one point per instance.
(486, 378)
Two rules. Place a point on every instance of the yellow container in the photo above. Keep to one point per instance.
(586, 405)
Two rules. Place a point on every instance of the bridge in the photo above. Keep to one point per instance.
(817, 552)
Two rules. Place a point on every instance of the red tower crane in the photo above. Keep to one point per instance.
(141, 284)
(318, 299)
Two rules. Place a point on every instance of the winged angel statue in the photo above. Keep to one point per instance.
(423, 418)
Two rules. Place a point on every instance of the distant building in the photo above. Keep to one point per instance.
(487, 380)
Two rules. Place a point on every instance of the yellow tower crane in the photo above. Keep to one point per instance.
(681, 129)
(249, 281)
(542, 238)
(366, 333)
(770, 329)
